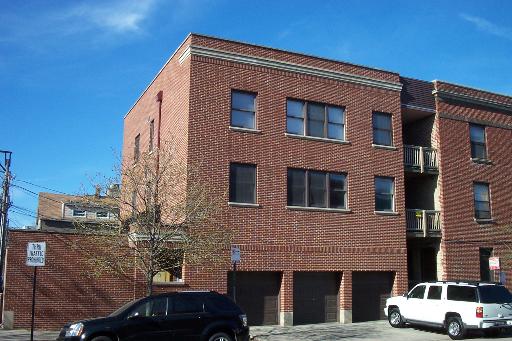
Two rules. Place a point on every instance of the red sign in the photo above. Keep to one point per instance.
(494, 263)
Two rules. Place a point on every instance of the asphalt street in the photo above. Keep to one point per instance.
(375, 330)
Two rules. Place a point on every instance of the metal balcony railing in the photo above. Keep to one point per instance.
(422, 159)
(426, 222)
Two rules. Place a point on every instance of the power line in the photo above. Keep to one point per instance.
(40, 186)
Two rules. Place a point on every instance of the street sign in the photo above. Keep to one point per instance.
(36, 253)
(235, 254)
(494, 263)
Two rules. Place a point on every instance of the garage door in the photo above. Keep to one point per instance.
(315, 297)
(369, 293)
(257, 293)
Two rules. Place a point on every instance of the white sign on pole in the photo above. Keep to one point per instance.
(235, 254)
(36, 253)
(494, 263)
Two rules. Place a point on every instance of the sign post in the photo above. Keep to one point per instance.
(494, 265)
(235, 258)
(36, 253)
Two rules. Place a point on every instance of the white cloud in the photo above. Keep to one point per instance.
(118, 16)
(487, 26)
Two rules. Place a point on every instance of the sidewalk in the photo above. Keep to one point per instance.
(24, 335)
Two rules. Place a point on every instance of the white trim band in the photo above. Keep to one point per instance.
(289, 67)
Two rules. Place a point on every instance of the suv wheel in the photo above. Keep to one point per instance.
(395, 318)
(101, 338)
(220, 337)
(455, 328)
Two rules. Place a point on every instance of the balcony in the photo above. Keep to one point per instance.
(420, 159)
(423, 223)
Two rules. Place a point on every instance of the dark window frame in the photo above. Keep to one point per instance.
(151, 134)
(306, 120)
(484, 255)
(327, 192)
(481, 214)
(255, 104)
(474, 144)
(392, 194)
(377, 129)
(232, 183)
(136, 149)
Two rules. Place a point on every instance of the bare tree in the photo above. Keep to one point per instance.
(164, 216)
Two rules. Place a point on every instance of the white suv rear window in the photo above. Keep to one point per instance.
(461, 293)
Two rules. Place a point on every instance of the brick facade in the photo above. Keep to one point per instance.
(195, 109)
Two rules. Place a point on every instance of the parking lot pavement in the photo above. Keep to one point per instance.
(375, 330)
(24, 335)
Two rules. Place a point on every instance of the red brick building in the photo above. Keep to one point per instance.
(344, 184)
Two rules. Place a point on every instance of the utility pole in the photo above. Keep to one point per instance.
(5, 204)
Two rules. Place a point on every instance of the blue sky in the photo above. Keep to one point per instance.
(70, 70)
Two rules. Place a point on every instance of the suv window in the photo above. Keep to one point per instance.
(153, 307)
(434, 292)
(221, 303)
(461, 293)
(494, 294)
(186, 304)
(417, 292)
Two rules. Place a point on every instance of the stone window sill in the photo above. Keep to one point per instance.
(170, 284)
(245, 130)
(391, 213)
(380, 146)
(319, 139)
(481, 161)
(484, 221)
(319, 209)
(243, 204)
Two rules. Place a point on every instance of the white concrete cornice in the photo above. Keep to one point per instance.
(473, 100)
(287, 66)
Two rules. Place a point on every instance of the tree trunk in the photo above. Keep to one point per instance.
(149, 285)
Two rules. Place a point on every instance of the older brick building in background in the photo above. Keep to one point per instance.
(344, 184)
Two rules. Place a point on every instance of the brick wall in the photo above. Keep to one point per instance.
(66, 291)
(462, 235)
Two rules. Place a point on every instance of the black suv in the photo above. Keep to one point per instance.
(201, 316)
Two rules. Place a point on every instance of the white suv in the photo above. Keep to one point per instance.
(456, 306)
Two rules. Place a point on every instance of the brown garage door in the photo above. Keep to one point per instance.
(315, 297)
(369, 293)
(257, 293)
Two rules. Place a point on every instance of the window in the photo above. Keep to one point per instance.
(151, 134)
(243, 109)
(102, 214)
(461, 293)
(384, 194)
(434, 292)
(171, 276)
(242, 183)
(187, 304)
(78, 213)
(477, 138)
(382, 129)
(153, 307)
(315, 119)
(136, 150)
(494, 294)
(418, 292)
(482, 200)
(316, 189)
(485, 272)
(134, 202)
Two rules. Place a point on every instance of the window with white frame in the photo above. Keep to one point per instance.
(384, 194)
(382, 129)
(315, 119)
(243, 109)
(307, 188)
(79, 213)
(482, 200)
